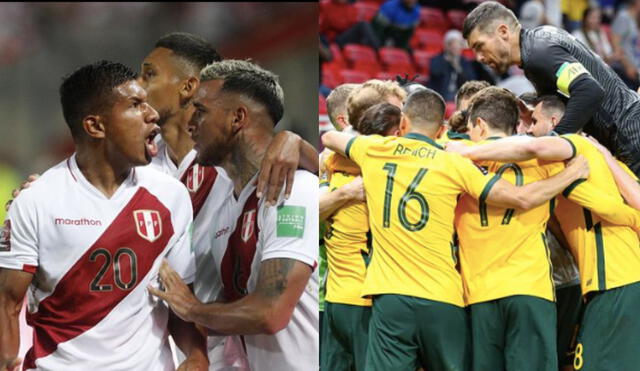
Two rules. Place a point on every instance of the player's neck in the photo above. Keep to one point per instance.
(245, 159)
(177, 138)
(495, 133)
(427, 133)
(106, 175)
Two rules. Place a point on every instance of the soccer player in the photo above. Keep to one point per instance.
(556, 63)
(605, 249)
(87, 255)
(504, 257)
(266, 256)
(418, 314)
(348, 242)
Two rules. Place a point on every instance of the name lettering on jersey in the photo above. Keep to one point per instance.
(247, 225)
(5, 236)
(148, 224)
(290, 222)
(421, 152)
(195, 177)
(81, 221)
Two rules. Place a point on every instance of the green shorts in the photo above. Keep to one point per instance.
(346, 335)
(514, 333)
(609, 337)
(568, 305)
(408, 332)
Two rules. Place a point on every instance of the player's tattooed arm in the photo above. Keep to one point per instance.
(13, 286)
(285, 153)
(266, 310)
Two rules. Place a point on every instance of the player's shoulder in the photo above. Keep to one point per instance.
(53, 179)
(304, 181)
(161, 184)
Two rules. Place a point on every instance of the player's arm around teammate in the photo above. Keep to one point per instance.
(331, 201)
(266, 311)
(13, 287)
(500, 192)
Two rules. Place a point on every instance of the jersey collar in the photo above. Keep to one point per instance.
(423, 138)
(453, 135)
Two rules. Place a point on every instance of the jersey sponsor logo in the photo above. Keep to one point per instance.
(222, 232)
(81, 221)
(247, 225)
(290, 221)
(148, 224)
(195, 177)
(5, 236)
(566, 74)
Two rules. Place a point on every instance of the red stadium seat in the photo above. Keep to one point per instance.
(451, 108)
(423, 61)
(322, 104)
(396, 60)
(433, 19)
(330, 78)
(386, 76)
(366, 11)
(338, 59)
(354, 52)
(353, 76)
(468, 54)
(429, 40)
(370, 67)
(456, 18)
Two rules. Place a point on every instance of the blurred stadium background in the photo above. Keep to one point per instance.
(364, 39)
(41, 42)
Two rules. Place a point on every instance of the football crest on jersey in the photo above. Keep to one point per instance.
(195, 176)
(148, 224)
(5, 236)
(247, 225)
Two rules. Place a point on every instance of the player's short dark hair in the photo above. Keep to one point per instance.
(551, 104)
(250, 80)
(484, 15)
(194, 49)
(497, 107)
(530, 98)
(379, 119)
(468, 89)
(424, 107)
(90, 90)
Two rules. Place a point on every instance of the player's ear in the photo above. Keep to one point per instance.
(240, 118)
(341, 119)
(405, 125)
(503, 31)
(441, 130)
(93, 125)
(188, 89)
(484, 127)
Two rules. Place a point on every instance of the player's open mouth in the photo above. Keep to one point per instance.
(150, 144)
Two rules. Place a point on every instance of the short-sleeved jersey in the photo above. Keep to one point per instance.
(504, 252)
(244, 234)
(92, 259)
(607, 255)
(553, 60)
(412, 187)
(347, 239)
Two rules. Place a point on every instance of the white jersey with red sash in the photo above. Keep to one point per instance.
(248, 233)
(92, 258)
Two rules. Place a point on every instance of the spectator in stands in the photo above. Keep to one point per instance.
(592, 35)
(449, 70)
(396, 21)
(624, 41)
(339, 23)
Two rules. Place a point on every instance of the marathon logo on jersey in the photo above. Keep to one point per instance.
(5, 236)
(248, 225)
(290, 222)
(148, 224)
(195, 177)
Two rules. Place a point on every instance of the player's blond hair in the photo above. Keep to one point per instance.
(371, 93)
(337, 101)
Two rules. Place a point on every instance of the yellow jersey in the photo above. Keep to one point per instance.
(607, 255)
(503, 252)
(412, 187)
(347, 242)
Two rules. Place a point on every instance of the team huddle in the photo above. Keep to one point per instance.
(169, 219)
(505, 239)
